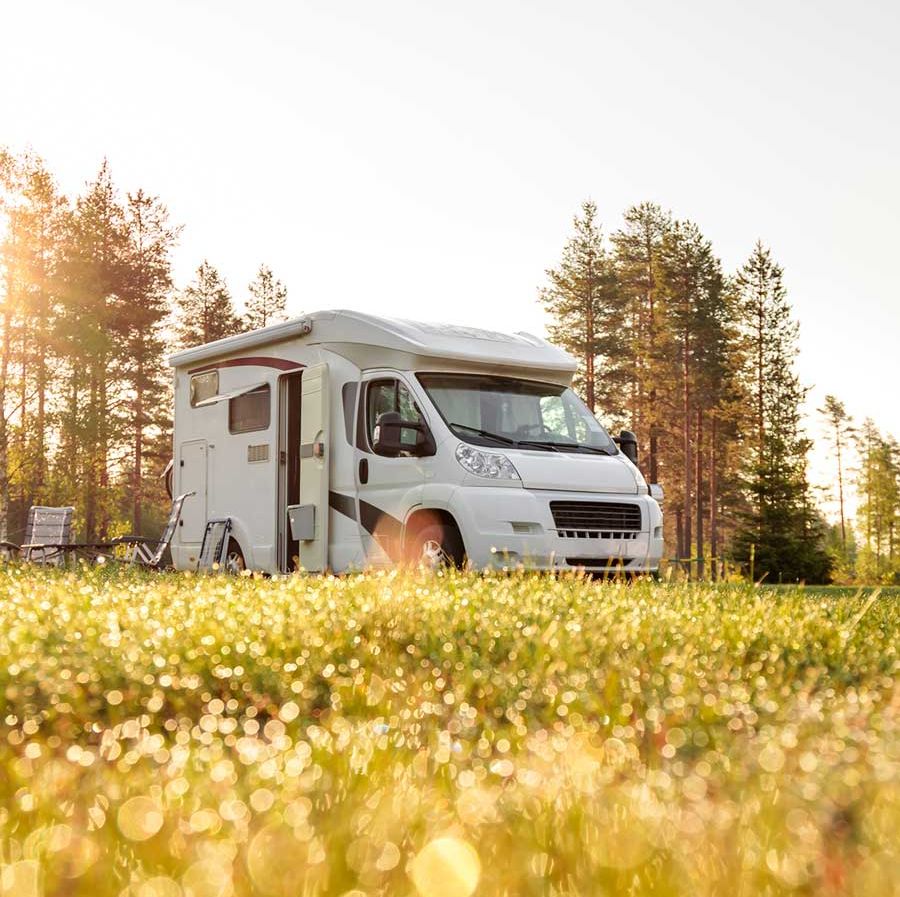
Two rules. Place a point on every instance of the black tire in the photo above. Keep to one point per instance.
(234, 559)
(437, 547)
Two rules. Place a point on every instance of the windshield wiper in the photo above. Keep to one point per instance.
(530, 443)
(537, 443)
(559, 446)
(595, 450)
(505, 440)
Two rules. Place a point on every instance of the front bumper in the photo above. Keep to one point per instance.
(507, 527)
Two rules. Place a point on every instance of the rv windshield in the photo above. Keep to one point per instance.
(486, 410)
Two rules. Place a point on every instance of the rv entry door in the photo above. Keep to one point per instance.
(309, 519)
(191, 477)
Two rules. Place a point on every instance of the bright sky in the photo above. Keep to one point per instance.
(424, 159)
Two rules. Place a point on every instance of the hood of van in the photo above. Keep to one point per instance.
(575, 472)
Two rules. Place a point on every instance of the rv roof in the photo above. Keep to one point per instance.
(355, 335)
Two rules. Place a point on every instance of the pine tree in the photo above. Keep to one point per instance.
(584, 303)
(148, 283)
(42, 220)
(878, 486)
(268, 298)
(892, 489)
(205, 309)
(781, 534)
(696, 340)
(638, 262)
(840, 431)
(34, 211)
(91, 334)
(7, 216)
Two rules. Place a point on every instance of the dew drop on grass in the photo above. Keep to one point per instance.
(446, 867)
(21, 879)
(207, 878)
(388, 858)
(139, 818)
(771, 758)
(158, 886)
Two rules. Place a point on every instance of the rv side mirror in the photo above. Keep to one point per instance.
(627, 442)
(386, 435)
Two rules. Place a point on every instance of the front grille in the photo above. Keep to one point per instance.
(596, 519)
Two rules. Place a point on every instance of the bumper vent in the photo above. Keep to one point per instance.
(596, 519)
(599, 563)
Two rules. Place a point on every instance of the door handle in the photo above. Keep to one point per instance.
(364, 470)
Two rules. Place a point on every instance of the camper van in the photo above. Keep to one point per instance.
(341, 441)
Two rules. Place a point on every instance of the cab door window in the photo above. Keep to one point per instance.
(392, 395)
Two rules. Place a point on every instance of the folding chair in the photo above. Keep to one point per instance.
(48, 538)
(149, 552)
(214, 549)
(48, 533)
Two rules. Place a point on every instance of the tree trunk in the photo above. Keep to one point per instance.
(90, 486)
(651, 337)
(637, 369)
(713, 499)
(679, 536)
(688, 457)
(699, 487)
(103, 454)
(5, 323)
(760, 407)
(24, 464)
(136, 521)
(837, 442)
(590, 398)
(43, 313)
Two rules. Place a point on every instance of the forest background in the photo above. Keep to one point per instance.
(698, 361)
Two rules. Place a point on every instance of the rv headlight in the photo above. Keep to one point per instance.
(486, 464)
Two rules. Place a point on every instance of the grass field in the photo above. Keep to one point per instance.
(402, 734)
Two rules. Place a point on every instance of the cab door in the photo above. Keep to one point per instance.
(309, 519)
(387, 487)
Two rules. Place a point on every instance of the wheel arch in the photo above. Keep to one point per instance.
(239, 536)
(422, 517)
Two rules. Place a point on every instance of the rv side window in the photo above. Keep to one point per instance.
(204, 386)
(251, 411)
(391, 395)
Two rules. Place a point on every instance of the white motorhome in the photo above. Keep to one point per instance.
(341, 440)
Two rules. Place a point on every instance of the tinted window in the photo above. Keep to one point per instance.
(204, 386)
(251, 411)
(348, 396)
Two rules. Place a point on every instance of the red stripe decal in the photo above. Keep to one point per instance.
(261, 361)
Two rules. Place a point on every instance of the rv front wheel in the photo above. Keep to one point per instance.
(436, 547)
